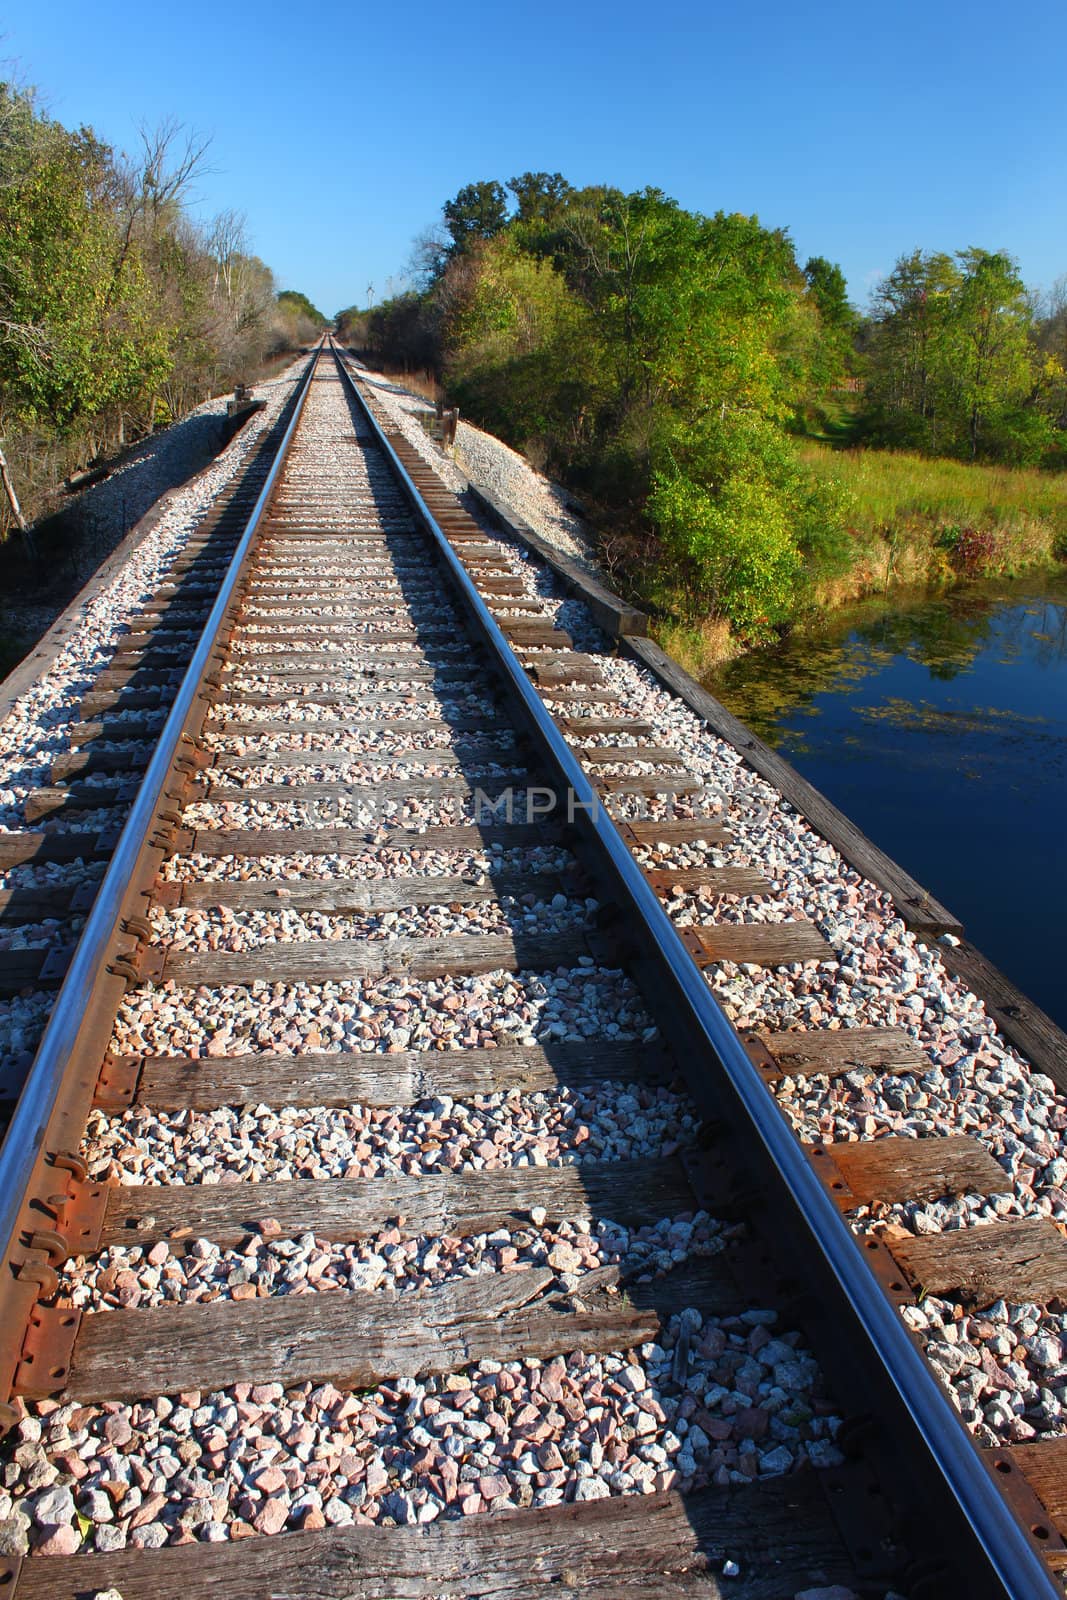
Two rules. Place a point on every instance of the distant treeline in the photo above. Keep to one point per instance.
(117, 311)
(665, 364)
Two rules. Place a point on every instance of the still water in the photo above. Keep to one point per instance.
(940, 727)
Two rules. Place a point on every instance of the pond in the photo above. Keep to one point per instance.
(940, 728)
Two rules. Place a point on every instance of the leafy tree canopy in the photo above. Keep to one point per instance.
(539, 195)
(299, 304)
(662, 362)
(829, 291)
(117, 311)
(478, 211)
(954, 366)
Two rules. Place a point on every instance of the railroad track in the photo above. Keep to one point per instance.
(52, 865)
(388, 1179)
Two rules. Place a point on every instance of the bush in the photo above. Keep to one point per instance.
(735, 549)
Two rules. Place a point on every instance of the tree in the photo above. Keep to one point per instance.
(117, 311)
(478, 211)
(430, 252)
(953, 362)
(657, 355)
(910, 311)
(829, 290)
(1051, 337)
(523, 350)
(992, 356)
(298, 305)
(539, 195)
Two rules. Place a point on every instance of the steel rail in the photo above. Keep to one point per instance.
(26, 1132)
(1013, 1563)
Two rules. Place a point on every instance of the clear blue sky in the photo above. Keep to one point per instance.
(340, 129)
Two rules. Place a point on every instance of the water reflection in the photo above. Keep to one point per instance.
(941, 728)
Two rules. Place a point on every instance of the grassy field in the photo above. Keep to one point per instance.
(890, 489)
(918, 521)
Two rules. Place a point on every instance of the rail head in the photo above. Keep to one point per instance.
(1013, 1567)
(54, 1069)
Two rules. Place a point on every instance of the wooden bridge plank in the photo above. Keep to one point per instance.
(47, 802)
(633, 1193)
(366, 703)
(599, 727)
(559, 693)
(1044, 1466)
(898, 1168)
(558, 672)
(717, 880)
(311, 791)
(53, 900)
(762, 944)
(666, 783)
(309, 666)
(348, 841)
(284, 601)
(472, 754)
(460, 722)
(675, 830)
(75, 845)
(617, 754)
(361, 895)
(391, 661)
(518, 631)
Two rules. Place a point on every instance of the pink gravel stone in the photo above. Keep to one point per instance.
(273, 1517)
(148, 1510)
(63, 1541)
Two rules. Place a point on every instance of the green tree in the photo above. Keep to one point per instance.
(829, 290)
(117, 311)
(524, 352)
(953, 363)
(539, 195)
(911, 316)
(657, 356)
(992, 369)
(291, 300)
(478, 211)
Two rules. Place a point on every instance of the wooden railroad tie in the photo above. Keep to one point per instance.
(646, 1547)
(394, 1078)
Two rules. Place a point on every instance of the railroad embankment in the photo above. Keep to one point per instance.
(77, 538)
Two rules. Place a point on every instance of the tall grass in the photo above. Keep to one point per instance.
(922, 522)
(890, 489)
